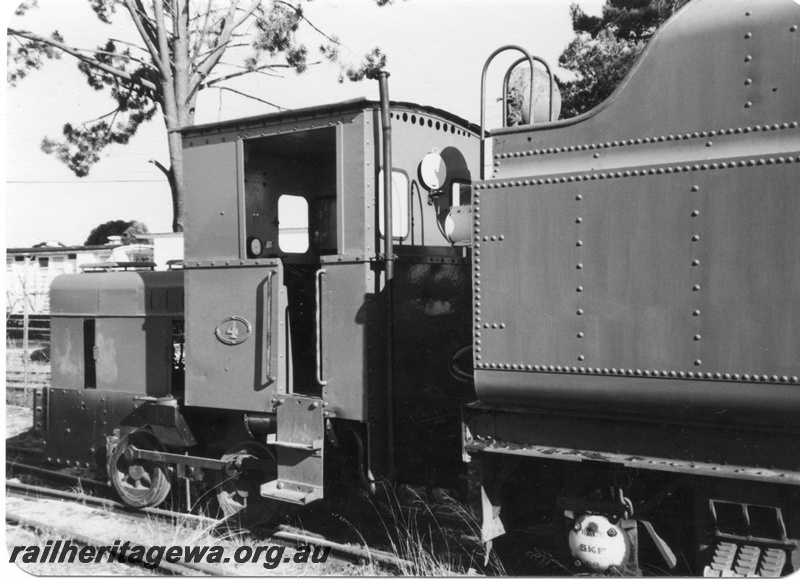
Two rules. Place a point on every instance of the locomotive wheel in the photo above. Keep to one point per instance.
(139, 483)
(239, 489)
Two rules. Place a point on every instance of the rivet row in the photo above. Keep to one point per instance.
(735, 377)
(640, 172)
(647, 140)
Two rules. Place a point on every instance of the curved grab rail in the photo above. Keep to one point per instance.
(483, 94)
(270, 377)
(531, 109)
(483, 81)
(318, 317)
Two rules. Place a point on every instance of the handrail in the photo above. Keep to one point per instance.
(270, 377)
(318, 288)
(552, 85)
(483, 93)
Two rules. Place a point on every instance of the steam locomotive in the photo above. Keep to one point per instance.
(597, 319)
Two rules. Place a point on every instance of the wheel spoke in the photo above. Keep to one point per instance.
(140, 483)
(239, 494)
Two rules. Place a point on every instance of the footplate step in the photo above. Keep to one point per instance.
(291, 492)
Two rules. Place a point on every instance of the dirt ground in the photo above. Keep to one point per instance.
(19, 419)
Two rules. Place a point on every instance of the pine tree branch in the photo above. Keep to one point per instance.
(170, 102)
(134, 7)
(219, 79)
(88, 60)
(231, 23)
(249, 69)
(161, 167)
(101, 117)
(311, 24)
(203, 57)
(163, 42)
(203, 34)
(117, 55)
(131, 44)
(249, 96)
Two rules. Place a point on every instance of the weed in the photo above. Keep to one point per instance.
(436, 540)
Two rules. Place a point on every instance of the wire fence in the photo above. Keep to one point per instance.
(27, 324)
(27, 367)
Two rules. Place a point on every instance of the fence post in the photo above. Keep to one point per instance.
(25, 315)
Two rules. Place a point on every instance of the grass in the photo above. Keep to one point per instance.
(434, 545)
(23, 536)
(150, 532)
(104, 524)
(106, 527)
(431, 547)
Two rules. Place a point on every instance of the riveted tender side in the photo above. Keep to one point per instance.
(641, 326)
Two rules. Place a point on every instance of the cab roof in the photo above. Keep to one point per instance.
(326, 110)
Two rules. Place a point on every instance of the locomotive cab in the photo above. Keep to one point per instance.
(299, 349)
(288, 318)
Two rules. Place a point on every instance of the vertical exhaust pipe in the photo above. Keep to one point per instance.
(388, 256)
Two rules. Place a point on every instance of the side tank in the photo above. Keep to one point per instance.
(643, 260)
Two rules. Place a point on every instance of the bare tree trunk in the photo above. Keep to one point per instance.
(176, 179)
(184, 104)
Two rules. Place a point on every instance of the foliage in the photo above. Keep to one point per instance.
(23, 7)
(605, 48)
(125, 229)
(374, 62)
(181, 53)
(28, 55)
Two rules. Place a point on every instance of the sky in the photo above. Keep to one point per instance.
(436, 50)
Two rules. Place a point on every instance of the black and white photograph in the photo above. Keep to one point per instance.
(402, 288)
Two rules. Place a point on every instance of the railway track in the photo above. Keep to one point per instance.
(23, 459)
(183, 568)
(282, 535)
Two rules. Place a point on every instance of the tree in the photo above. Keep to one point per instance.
(605, 48)
(182, 46)
(125, 229)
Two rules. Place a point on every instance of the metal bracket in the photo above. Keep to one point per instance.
(315, 444)
(299, 442)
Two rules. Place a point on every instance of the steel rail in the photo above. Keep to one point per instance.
(108, 503)
(44, 473)
(277, 534)
(189, 569)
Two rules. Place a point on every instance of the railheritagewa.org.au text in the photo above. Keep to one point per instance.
(151, 557)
